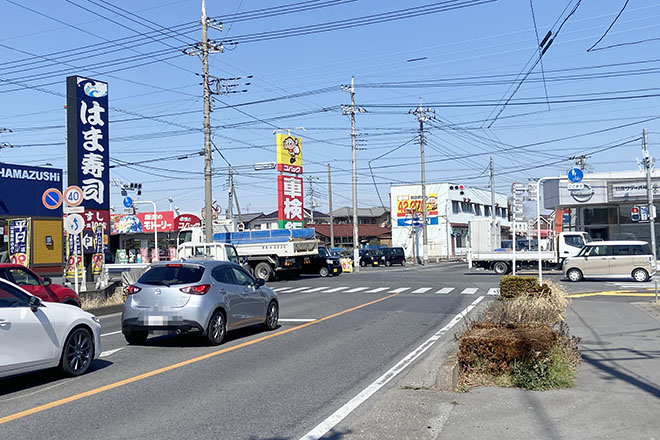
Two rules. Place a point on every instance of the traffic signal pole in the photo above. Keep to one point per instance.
(649, 190)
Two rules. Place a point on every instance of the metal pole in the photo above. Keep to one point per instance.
(356, 252)
(513, 244)
(229, 212)
(422, 118)
(649, 192)
(492, 189)
(538, 228)
(332, 217)
(156, 256)
(208, 157)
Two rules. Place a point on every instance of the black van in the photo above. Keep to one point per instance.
(394, 255)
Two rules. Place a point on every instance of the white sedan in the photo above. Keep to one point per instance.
(36, 335)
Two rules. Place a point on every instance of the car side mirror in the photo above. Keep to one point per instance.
(34, 303)
(47, 281)
(259, 282)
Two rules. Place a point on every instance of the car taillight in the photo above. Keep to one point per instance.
(133, 289)
(196, 290)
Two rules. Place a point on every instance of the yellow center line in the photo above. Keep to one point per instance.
(152, 373)
(610, 293)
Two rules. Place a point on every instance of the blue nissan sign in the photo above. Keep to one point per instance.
(22, 189)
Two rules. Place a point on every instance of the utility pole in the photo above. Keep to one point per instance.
(238, 207)
(581, 160)
(332, 217)
(491, 173)
(351, 111)
(648, 164)
(202, 50)
(229, 212)
(312, 204)
(422, 117)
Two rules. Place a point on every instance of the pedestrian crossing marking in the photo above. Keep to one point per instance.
(445, 290)
(380, 289)
(336, 289)
(298, 289)
(316, 289)
(399, 290)
(469, 291)
(422, 290)
(357, 289)
(282, 289)
(493, 291)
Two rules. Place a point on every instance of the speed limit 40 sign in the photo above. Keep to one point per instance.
(73, 195)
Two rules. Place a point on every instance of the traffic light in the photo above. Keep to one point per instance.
(635, 214)
(460, 188)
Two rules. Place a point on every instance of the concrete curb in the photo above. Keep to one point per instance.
(447, 377)
(107, 310)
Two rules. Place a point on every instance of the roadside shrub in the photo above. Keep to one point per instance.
(496, 348)
(547, 309)
(515, 286)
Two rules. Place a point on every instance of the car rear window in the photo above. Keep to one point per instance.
(172, 274)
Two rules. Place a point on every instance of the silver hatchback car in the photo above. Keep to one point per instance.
(207, 297)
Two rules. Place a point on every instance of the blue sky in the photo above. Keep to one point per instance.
(460, 62)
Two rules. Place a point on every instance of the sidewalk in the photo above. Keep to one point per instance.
(617, 393)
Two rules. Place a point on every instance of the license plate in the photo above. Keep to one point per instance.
(334, 270)
(155, 320)
(375, 263)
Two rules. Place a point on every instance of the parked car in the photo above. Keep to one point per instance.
(371, 257)
(36, 335)
(204, 297)
(394, 255)
(611, 259)
(323, 264)
(44, 288)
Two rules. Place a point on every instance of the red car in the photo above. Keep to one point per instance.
(38, 286)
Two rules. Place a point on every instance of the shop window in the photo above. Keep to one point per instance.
(467, 208)
(477, 210)
(455, 207)
(599, 216)
(487, 210)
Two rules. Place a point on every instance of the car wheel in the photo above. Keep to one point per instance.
(136, 338)
(263, 271)
(362, 263)
(388, 263)
(574, 275)
(324, 272)
(215, 334)
(77, 353)
(501, 268)
(272, 316)
(640, 275)
(403, 263)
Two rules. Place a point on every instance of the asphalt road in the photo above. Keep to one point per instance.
(257, 385)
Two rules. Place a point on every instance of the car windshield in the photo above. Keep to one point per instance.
(171, 274)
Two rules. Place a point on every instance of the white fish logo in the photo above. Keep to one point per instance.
(95, 89)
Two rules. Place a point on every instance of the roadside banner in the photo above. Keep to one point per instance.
(74, 256)
(19, 241)
(97, 257)
(346, 264)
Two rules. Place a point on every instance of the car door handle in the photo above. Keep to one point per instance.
(4, 323)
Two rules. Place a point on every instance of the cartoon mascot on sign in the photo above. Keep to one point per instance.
(291, 145)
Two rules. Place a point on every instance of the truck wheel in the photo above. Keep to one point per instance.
(324, 272)
(501, 268)
(263, 271)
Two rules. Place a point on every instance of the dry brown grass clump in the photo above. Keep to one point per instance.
(116, 298)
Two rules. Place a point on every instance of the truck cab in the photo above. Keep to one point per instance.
(216, 251)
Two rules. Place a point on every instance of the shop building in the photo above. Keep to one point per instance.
(602, 204)
(450, 207)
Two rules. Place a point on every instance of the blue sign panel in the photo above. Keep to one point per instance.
(408, 221)
(87, 140)
(128, 202)
(575, 175)
(22, 189)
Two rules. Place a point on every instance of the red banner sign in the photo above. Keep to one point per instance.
(186, 221)
(290, 201)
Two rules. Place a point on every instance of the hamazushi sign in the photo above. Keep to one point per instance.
(9, 172)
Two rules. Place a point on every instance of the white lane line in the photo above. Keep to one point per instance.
(380, 289)
(296, 320)
(422, 290)
(298, 289)
(357, 289)
(282, 289)
(111, 333)
(469, 291)
(445, 290)
(316, 289)
(336, 289)
(325, 426)
(109, 352)
(399, 290)
(493, 291)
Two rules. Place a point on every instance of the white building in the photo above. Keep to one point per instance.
(448, 214)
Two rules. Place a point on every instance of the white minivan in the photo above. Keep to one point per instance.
(611, 259)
